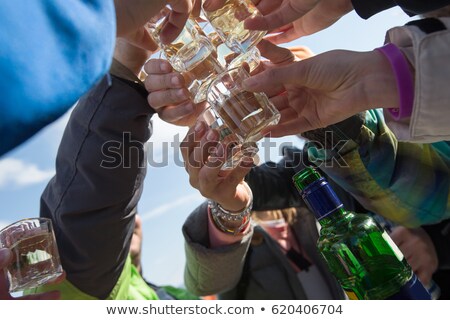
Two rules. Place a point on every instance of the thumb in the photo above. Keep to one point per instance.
(5, 258)
(276, 78)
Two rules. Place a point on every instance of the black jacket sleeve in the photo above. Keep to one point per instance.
(272, 185)
(100, 168)
(368, 8)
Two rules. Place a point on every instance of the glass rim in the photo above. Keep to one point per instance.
(220, 75)
(23, 220)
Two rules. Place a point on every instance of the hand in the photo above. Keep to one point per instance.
(5, 259)
(301, 52)
(264, 6)
(203, 158)
(326, 89)
(320, 17)
(131, 15)
(419, 251)
(168, 94)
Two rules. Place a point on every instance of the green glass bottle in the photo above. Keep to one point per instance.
(360, 254)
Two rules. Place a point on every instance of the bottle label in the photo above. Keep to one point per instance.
(412, 290)
(393, 246)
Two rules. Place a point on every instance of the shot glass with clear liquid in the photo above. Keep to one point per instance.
(235, 148)
(227, 57)
(245, 114)
(191, 54)
(228, 22)
(35, 253)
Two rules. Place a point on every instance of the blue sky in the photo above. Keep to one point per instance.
(168, 198)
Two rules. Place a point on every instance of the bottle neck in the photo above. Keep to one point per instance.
(333, 217)
(322, 201)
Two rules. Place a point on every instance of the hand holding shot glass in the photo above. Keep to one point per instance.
(35, 259)
(191, 54)
(239, 115)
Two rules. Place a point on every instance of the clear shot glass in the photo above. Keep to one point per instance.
(191, 54)
(235, 148)
(35, 253)
(228, 22)
(245, 113)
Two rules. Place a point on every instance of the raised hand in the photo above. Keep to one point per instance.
(168, 94)
(326, 89)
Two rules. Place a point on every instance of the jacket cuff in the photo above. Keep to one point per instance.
(365, 9)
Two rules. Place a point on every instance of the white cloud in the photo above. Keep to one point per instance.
(164, 132)
(158, 211)
(18, 173)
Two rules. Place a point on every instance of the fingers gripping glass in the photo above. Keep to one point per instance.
(239, 115)
(191, 53)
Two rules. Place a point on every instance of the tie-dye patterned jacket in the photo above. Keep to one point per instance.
(408, 183)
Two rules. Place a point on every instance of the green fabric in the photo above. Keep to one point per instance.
(130, 286)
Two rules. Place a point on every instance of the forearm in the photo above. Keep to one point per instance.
(406, 183)
(99, 174)
(210, 270)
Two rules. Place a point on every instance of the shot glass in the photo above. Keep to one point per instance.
(191, 54)
(235, 148)
(227, 57)
(245, 113)
(228, 22)
(35, 253)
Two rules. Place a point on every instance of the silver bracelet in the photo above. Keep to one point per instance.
(226, 220)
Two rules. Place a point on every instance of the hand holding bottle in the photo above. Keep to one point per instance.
(419, 251)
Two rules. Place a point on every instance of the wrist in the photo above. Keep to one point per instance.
(379, 82)
(239, 202)
(230, 222)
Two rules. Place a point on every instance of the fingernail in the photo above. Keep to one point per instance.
(220, 151)
(199, 127)
(165, 67)
(5, 256)
(211, 136)
(181, 93)
(175, 81)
